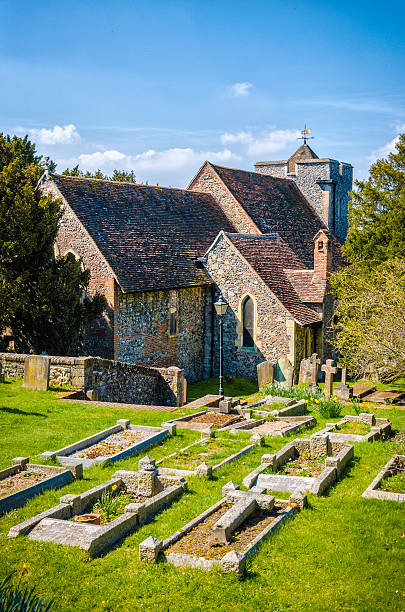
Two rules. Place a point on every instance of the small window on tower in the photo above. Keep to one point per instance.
(320, 247)
(173, 314)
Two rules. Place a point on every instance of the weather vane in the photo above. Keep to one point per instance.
(305, 135)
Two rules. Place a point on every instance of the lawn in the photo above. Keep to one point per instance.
(342, 553)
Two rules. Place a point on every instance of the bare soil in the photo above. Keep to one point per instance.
(20, 481)
(197, 541)
(217, 419)
(111, 445)
(272, 426)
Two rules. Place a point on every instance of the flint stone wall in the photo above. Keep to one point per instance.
(115, 381)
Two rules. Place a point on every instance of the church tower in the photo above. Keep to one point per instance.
(324, 182)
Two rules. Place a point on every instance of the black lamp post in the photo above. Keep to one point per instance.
(221, 307)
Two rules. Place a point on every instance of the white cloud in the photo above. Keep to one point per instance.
(267, 142)
(170, 166)
(389, 147)
(240, 89)
(57, 135)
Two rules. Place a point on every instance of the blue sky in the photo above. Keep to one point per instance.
(160, 86)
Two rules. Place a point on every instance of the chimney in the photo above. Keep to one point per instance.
(322, 256)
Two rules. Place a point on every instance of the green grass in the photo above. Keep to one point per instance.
(240, 387)
(212, 451)
(343, 553)
(394, 484)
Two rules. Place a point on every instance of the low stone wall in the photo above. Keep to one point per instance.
(114, 381)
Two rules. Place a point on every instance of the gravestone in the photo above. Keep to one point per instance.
(1, 374)
(36, 372)
(309, 370)
(342, 390)
(264, 373)
(329, 370)
(285, 372)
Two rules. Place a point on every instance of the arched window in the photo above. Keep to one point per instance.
(248, 321)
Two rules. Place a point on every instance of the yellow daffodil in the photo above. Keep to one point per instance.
(25, 568)
(114, 487)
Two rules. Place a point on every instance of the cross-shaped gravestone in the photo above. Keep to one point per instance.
(329, 370)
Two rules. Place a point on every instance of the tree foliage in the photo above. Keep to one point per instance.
(377, 212)
(370, 292)
(118, 175)
(371, 310)
(41, 297)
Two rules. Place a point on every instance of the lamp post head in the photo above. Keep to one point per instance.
(221, 306)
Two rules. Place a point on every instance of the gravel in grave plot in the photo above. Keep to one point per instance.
(304, 465)
(272, 426)
(197, 541)
(111, 445)
(217, 419)
(21, 481)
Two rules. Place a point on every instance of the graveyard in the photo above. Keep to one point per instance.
(165, 529)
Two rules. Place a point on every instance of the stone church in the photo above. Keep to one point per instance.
(265, 239)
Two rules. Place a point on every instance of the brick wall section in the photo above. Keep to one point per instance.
(235, 279)
(73, 237)
(142, 334)
(207, 181)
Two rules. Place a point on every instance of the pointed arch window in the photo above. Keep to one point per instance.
(173, 314)
(248, 322)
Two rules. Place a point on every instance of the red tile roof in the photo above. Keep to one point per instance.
(149, 235)
(278, 208)
(269, 257)
(307, 289)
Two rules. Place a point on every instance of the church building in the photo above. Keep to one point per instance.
(266, 240)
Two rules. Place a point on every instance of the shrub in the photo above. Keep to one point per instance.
(297, 392)
(328, 407)
(20, 598)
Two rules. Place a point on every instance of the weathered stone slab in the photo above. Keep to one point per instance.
(264, 373)
(309, 369)
(36, 372)
(389, 396)
(226, 525)
(360, 390)
(343, 392)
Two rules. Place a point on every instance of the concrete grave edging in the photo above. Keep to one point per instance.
(64, 457)
(372, 491)
(59, 477)
(183, 559)
(380, 428)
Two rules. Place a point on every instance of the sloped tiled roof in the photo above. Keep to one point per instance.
(269, 257)
(307, 289)
(278, 208)
(303, 153)
(149, 235)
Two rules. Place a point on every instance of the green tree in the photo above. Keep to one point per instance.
(118, 175)
(41, 297)
(377, 212)
(370, 292)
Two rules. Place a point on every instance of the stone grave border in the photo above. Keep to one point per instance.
(152, 549)
(95, 539)
(334, 466)
(380, 428)
(302, 422)
(204, 469)
(58, 477)
(373, 492)
(63, 455)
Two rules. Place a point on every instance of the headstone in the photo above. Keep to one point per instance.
(1, 375)
(329, 370)
(309, 370)
(285, 372)
(343, 374)
(264, 373)
(225, 406)
(36, 372)
(343, 392)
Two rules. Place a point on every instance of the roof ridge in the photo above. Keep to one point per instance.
(91, 178)
(256, 174)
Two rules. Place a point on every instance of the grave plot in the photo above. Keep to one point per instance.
(96, 519)
(311, 465)
(389, 484)
(276, 426)
(204, 457)
(112, 444)
(226, 533)
(205, 418)
(23, 480)
(362, 428)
